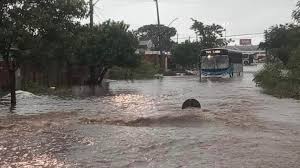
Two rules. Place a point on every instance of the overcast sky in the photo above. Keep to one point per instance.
(240, 16)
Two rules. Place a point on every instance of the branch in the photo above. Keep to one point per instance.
(96, 2)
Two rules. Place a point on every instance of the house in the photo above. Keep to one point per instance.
(146, 45)
(150, 55)
(259, 54)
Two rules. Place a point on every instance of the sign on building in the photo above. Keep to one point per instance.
(245, 42)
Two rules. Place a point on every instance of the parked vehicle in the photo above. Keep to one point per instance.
(248, 59)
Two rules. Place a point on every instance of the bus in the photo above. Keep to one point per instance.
(220, 62)
(248, 59)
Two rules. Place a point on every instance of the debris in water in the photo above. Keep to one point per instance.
(21, 95)
(2, 127)
(191, 103)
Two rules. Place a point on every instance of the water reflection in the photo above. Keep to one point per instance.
(141, 124)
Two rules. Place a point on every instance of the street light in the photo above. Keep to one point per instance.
(172, 21)
(226, 24)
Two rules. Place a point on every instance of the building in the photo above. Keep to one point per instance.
(150, 55)
(146, 45)
(259, 54)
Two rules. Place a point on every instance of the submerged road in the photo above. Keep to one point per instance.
(141, 124)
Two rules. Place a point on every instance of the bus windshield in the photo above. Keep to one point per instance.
(215, 62)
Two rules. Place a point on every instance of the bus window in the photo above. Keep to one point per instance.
(222, 62)
(215, 62)
(208, 62)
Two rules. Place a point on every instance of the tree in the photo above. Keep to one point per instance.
(54, 53)
(296, 12)
(24, 21)
(109, 44)
(186, 54)
(281, 75)
(151, 32)
(210, 36)
(294, 63)
(280, 40)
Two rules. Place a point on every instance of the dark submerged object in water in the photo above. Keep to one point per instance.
(191, 103)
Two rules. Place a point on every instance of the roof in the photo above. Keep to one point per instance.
(146, 43)
(224, 48)
(244, 48)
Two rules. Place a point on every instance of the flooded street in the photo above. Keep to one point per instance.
(141, 124)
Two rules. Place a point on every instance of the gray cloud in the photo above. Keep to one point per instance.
(241, 16)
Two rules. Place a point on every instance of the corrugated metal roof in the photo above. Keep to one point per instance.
(244, 48)
(147, 43)
(144, 43)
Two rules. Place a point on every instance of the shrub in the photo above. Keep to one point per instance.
(143, 71)
(275, 82)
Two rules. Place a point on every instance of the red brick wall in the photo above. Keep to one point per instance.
(153, 59)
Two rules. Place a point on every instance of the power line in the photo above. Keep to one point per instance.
(235, 35)
(96, 2)
(250, 34)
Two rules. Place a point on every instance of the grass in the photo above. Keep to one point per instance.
(144, 71)
(276, 80)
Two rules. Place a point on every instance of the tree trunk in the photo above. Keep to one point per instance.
(92, 80)
(69, 74)
(11, 67)
(12, 79)
(102, 75)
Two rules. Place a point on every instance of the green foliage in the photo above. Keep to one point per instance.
(143, 71)
(294, 64)
(34, 87)
(282, 79)
(24, 23)
(210, 36)
(38, 89)
(269, 75)
(274, 81)
(296, 12)
(110, 44)
(281, 40)
(187, 54)
(151, 32)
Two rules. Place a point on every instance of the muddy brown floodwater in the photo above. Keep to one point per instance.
(140, 124)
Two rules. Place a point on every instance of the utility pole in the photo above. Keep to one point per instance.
(92, 79)
(91, 14)
(159, 37)
(226, 37)
(157, 12)
(92, 5)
